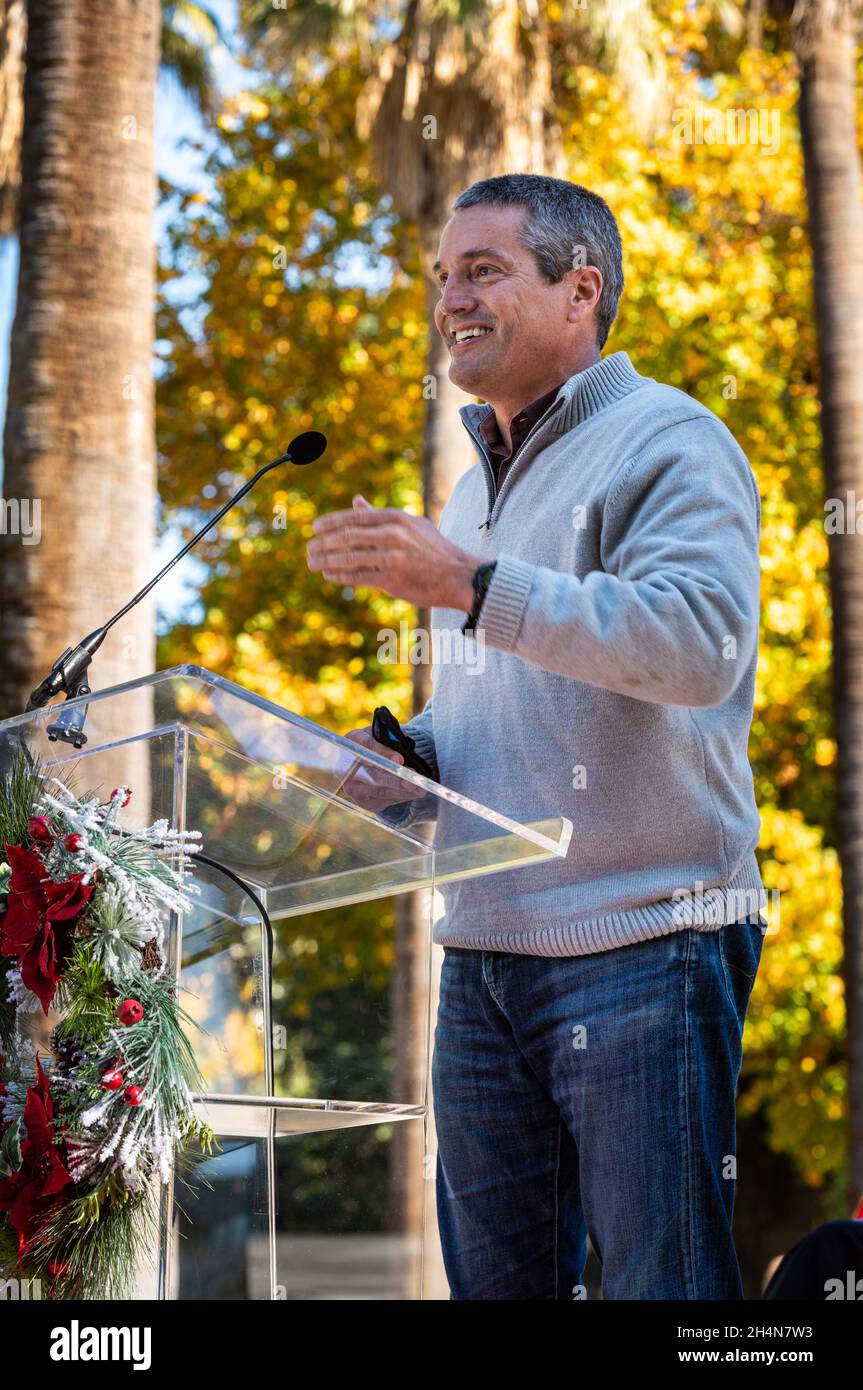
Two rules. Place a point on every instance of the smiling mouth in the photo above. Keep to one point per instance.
(466, 343)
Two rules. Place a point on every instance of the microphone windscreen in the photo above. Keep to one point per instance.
(307, 447)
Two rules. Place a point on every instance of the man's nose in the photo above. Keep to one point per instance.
(457, 295)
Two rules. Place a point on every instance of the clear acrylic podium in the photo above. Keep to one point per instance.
(298, 1201)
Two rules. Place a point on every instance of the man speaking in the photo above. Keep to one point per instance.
(604, 547)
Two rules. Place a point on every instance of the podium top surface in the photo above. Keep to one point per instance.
(301, 812)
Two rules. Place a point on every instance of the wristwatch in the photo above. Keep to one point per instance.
(481, 580)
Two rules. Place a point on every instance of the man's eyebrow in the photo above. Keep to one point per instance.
(472, 255)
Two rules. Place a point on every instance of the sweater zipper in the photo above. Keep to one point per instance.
(495, 497)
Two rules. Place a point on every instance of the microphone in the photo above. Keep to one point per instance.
(67, 673)
(306, 448)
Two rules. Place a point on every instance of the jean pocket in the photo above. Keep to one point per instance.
(740, 947)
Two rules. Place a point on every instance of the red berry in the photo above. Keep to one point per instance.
(39, 829)
(73, 843)
(122, 794)
(134, 1095)
(112, 1080)
(129, 1012)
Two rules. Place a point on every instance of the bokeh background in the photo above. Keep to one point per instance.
(217, 221)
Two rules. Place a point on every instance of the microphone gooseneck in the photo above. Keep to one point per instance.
(67, 673)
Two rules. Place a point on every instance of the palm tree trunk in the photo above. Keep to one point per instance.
(13, 36)
(825, 45)
(79, 438)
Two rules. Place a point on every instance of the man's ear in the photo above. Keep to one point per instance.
(585, 290)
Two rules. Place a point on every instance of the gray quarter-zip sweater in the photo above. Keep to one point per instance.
(619, 636)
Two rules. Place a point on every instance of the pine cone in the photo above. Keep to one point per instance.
(66, 1051)
(150, 956)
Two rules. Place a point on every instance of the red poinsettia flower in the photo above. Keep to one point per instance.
(31, 1194)
(37, 925)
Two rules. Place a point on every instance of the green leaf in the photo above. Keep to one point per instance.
(10, 1150)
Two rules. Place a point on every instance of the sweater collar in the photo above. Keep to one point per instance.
(581, 395)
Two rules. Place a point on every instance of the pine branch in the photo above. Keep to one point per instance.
(8, 1251)
(8, 1012)
(88, 1012)
(155, 1054)
(102, 1238)
(19, 792)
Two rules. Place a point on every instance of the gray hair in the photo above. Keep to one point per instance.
(566, 227)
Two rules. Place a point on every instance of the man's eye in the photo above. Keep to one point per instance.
(442, 279)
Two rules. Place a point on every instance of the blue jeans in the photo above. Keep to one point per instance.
(592, 1094)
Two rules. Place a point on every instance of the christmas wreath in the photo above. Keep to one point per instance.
(89, 1128)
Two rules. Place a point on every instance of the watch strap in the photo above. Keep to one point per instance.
(481, 580)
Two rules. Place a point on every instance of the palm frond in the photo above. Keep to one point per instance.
(623, 38)
(307, 24)
(191, 34)
(197, 18)
(189, 66)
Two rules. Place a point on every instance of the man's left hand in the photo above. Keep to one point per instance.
(384, 548)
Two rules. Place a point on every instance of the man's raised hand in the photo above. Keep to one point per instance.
(385, 548)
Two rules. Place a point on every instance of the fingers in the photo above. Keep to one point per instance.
(351, 537)
(379, 797)
(368, 740)
(375, 789)
(350, 557)
(356, 578)
(349, 547)
(363, 735)
(372, 775)
(367, 516)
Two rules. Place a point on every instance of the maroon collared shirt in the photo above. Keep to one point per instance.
(520, 427)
